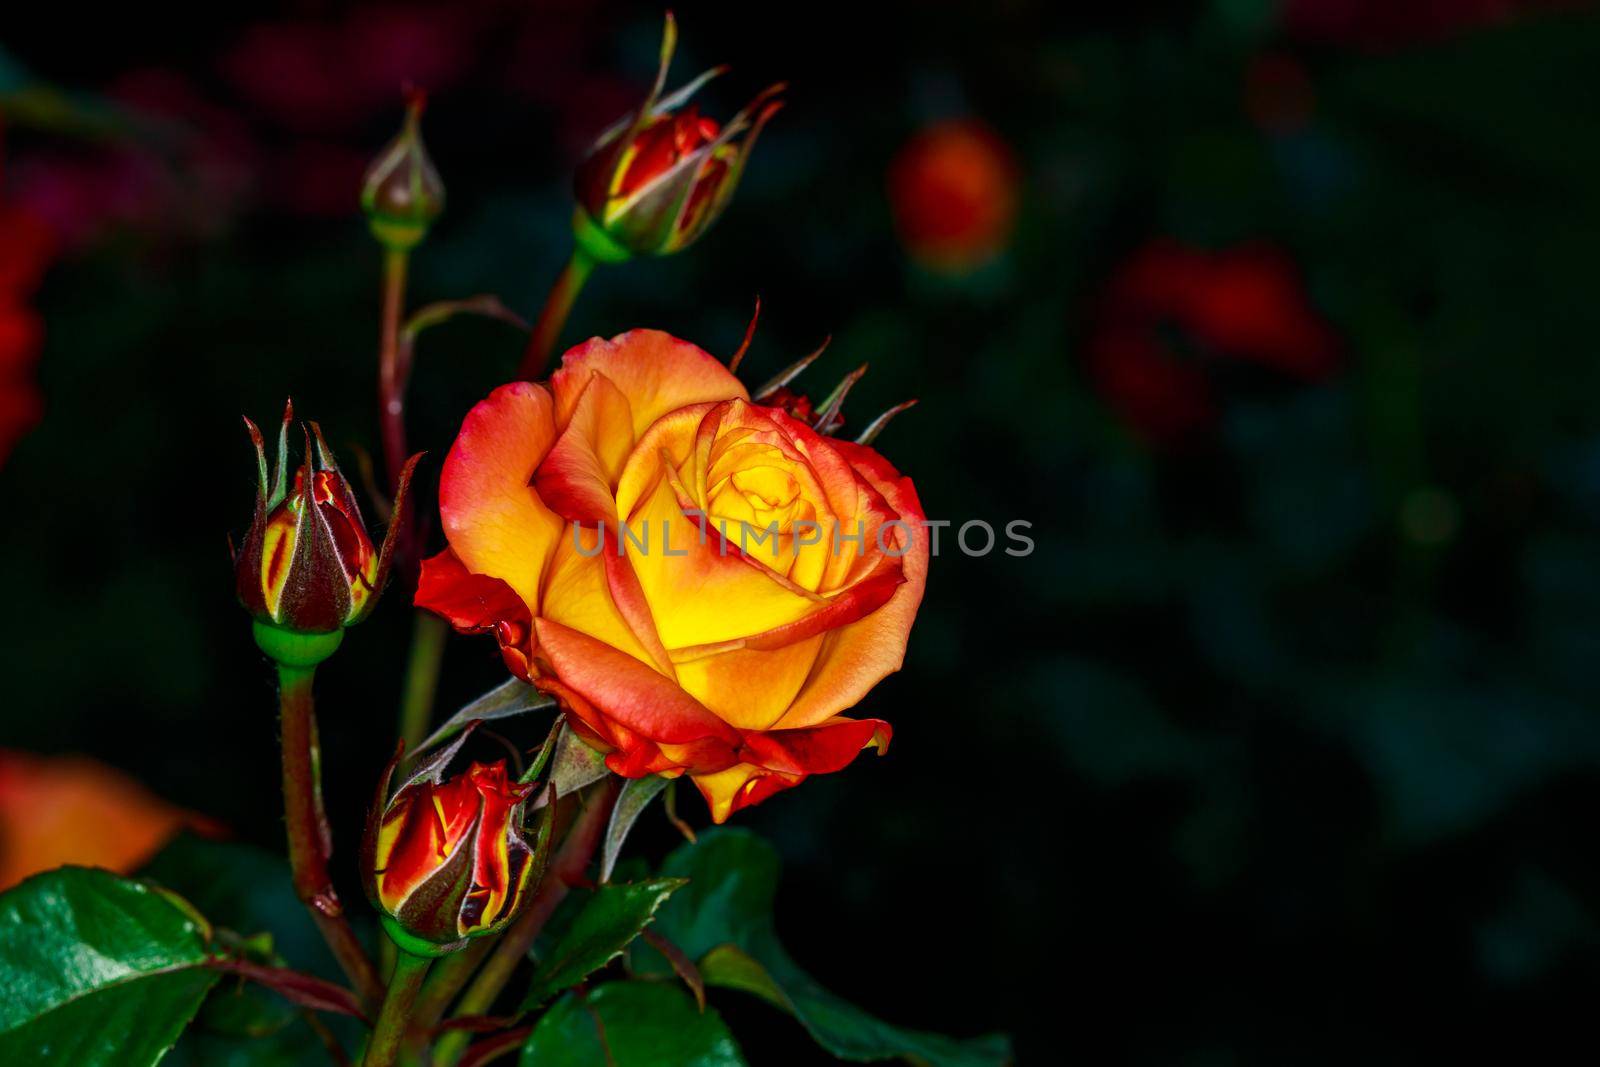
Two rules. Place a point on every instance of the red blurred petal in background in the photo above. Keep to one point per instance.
(1390, 23)
(1170, 311)
(26, 249)
(953, 189)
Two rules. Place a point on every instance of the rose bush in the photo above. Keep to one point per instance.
(704, 583)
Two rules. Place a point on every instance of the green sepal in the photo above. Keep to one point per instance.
(594, 242)
(396, 235)
(291, 648)
(415, 945)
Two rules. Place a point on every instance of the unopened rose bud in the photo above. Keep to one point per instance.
(307, 565)
(446, 858)
(402, 192)
(658, 179)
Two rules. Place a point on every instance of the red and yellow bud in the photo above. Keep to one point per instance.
(307, 564)
(446, 859)
(658, 179)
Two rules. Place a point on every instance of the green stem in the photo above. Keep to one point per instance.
(557, 306)
(392, 371)
(422, 678)
(309, 840)
(566, 867)
(446, 980)
(409, 971)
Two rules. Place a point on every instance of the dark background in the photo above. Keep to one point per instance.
(1282, 747)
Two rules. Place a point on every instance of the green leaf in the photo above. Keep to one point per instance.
(723, 919)
(611, 918)
(250, 891)
(636, 795)
(730, 967)
(97, 969)
(575, 764)
(631, 1024)
(513, 697)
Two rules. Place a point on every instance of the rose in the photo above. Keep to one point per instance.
(703, 583)
(445, 858)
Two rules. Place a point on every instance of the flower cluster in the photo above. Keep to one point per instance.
(702, 579)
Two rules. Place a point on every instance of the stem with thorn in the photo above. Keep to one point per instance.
(309, 843)
(392, 372)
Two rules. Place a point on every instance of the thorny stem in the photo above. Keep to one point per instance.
(409, 971)
(309, 839)
(453, 972)
(557, 306)
(392, 368)
(566, 867)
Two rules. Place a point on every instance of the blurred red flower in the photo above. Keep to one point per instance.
(69, 809)
(1172, 313)
(1389, 23)
(953, 189)
(26, 248)
(324, 77)
(180, 166)
(1278, 94)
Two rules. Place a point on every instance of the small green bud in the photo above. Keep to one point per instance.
(402, 192)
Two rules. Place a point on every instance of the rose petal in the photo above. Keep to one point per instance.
(780, 759)
(496, 523)
(748, 689)
(858, 656)
(477, 603)
(625, 690)
(575, 479)
(655, 371)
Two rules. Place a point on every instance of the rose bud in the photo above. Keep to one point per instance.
(402, 192)
(656, 180)
(307, 565)
(445, 858)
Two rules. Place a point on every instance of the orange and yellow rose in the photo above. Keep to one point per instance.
(703, 582)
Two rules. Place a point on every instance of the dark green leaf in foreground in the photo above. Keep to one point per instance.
(723, 919)
(296, 1045)
(611, 918)
(96, 969)
(631, 1024)
(249, 891)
